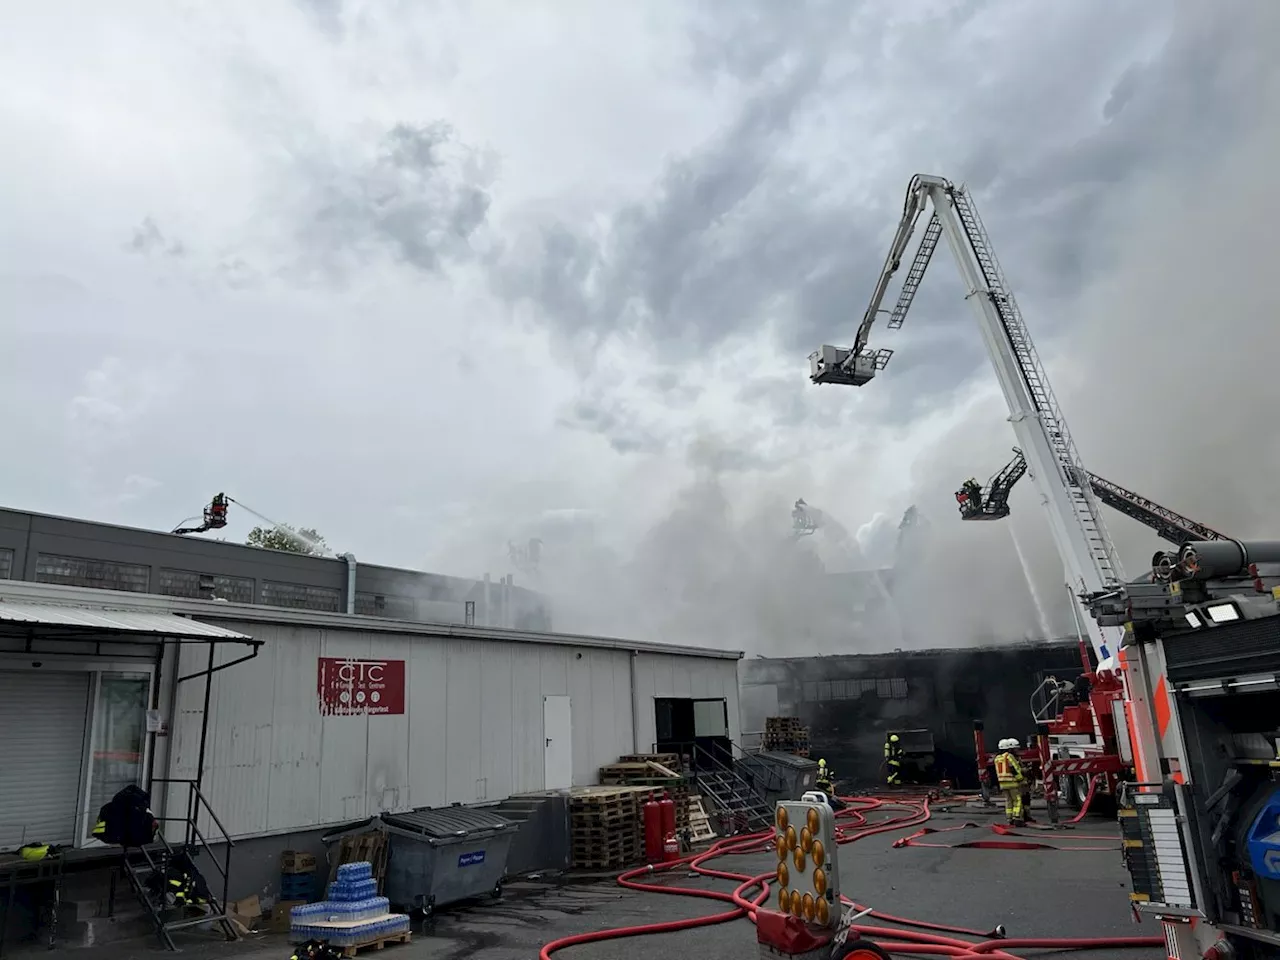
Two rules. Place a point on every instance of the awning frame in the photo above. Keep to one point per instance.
(31, 630)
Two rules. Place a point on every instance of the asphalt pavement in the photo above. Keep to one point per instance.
(1035, 893)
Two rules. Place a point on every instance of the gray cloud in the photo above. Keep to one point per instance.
(420, 197)
(148, 240)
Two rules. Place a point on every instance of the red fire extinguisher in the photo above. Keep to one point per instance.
(670, 845)
(653, 835)
(670, 848)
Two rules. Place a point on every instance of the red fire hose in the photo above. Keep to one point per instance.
(915, 942)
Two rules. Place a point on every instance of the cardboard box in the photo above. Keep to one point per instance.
(246, 912)
(280, 914)
(294, 861)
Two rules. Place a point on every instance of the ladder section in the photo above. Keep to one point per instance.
(1087, 512)
(915, 273)
(1167, 524)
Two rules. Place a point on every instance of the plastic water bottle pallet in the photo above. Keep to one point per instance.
(344, 936)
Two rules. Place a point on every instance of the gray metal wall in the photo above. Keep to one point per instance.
(472, 727)
(50, 549)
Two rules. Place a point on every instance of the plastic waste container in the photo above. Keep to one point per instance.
(442, 855)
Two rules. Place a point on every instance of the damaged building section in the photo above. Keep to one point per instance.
(850, 703)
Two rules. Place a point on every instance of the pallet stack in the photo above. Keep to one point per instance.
(603, 830)
(786, 735)
(648, 770)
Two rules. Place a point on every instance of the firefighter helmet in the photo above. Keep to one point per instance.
(1008, 743)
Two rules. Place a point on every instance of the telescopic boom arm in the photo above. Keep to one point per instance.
(1075, 516)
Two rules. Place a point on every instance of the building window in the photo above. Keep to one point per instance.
(300, 596)
(894, 688)
(379, 605)
(100, 574)
(6, 563)
(205, 586)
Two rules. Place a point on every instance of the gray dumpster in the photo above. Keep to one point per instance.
(436, 857)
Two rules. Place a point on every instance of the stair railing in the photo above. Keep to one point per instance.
(197, 806)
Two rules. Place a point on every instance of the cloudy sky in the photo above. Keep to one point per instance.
(416, 273)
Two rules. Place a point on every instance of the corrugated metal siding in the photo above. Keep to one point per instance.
(659, 675)
(44, 719)
(472, 727)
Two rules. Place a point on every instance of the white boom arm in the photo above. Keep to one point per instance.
(1075, 516)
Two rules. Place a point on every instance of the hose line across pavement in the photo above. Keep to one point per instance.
(907, 937)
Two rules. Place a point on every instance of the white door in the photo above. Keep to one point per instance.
(557, 734)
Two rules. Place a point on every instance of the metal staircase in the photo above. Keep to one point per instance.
(149, 871)
(1085, 506)
(733, 798)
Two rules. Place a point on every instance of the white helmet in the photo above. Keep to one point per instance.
(1008, 743)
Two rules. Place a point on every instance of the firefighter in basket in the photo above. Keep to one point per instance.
(1012, 781)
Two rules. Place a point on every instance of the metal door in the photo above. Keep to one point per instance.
(557, 733)
(44, 719)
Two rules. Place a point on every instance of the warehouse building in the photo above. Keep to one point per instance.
(291, 720)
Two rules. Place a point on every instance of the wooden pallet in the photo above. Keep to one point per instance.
(700, 830)
(669, 760)
(370, 846)
(378, 944)
(602, 856)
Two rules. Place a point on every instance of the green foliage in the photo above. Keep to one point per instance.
(302, 540)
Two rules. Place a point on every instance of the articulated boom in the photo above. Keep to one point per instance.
(1052, 461)
(992, 503)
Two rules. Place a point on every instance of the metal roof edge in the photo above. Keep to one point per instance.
(56, 594)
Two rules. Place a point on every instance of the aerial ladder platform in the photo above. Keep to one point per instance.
(1093, 735)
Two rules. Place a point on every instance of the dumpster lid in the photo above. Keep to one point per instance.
(787, 759)
(444, 822)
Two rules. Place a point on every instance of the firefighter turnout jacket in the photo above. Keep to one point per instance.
(1009, 772)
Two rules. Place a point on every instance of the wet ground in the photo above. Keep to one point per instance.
(1039, 893)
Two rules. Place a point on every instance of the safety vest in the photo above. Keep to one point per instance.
(1008, 769)
(892, 751)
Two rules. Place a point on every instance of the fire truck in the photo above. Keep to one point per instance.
(1201, 823)
(1186, 671)
(1078, 718)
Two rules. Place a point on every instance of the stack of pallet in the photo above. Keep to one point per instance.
(603, 831)
(786, 735)
(648, 770)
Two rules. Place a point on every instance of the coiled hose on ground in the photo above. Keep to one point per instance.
(907, 937)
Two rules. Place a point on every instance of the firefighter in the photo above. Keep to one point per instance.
(825, 778)
(893, 760)
(1013, 782)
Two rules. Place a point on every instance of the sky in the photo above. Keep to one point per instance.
(431, 277)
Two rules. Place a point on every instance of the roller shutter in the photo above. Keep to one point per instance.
(45, 719)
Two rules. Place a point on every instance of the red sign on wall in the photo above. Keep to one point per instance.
(350, 687)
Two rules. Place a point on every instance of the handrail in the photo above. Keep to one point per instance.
(197, 803)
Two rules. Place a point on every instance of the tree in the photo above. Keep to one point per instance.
(302, 540)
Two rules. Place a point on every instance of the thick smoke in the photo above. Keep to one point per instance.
(1162, 360)
(1170, 387)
